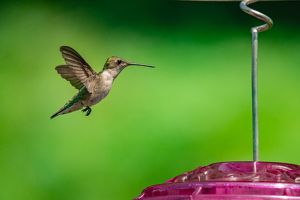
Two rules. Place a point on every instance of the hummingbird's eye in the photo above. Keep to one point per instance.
(119, 61)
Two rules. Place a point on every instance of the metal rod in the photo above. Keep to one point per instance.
(259, 15)
(254, 31)
(254, 96)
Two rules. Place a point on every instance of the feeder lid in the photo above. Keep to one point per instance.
(231, 180)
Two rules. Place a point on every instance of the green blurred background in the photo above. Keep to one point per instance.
(193, 109)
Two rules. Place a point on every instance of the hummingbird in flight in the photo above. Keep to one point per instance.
(92, 86)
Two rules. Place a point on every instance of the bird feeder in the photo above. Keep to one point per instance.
(253, 180)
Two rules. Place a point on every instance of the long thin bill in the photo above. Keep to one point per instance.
(141, 65)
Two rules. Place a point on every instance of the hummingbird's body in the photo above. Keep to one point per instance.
(92, 87)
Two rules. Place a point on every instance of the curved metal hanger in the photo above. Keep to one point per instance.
(254, 31)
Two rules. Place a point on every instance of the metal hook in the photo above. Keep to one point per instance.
(254, 31)
(259, 15)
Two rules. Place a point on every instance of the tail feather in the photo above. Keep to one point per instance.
(56, 114)
(73, 104)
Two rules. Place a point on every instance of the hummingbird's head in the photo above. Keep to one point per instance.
(115, 62)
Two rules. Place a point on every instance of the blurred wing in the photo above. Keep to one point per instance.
(79, 67)
(68, 74)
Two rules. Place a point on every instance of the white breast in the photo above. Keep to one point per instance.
(107, 78)
(103, 88)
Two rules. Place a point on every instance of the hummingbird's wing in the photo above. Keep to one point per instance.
(80, 68)
(66, 72)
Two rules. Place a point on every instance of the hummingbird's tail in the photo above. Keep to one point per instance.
(65, 109)
(54, 115)
(58, 112)
(73, 104)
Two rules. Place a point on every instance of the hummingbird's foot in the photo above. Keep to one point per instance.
(88, 109)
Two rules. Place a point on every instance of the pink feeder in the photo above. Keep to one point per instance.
(235, 180)
(231, 180)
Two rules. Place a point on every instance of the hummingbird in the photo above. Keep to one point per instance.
(93, 87)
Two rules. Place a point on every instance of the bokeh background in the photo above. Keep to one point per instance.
(193, 109)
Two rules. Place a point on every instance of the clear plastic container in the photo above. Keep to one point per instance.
(231, 180)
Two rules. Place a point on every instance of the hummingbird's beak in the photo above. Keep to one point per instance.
(141, 65)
